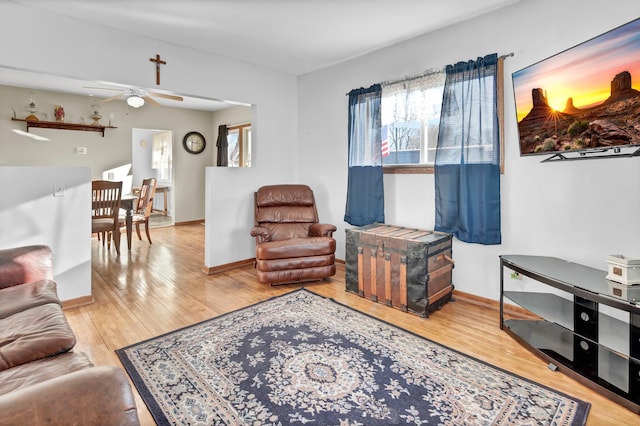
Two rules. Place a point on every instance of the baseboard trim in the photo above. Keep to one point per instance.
(510, 310)
(212, 270)
(76, 303)
(189, 222)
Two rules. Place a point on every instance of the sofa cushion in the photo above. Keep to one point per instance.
(25, 296)
(40, 370)
(92, 396)
(33, 334)
(25, 264)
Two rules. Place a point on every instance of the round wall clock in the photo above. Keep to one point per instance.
(194, 142)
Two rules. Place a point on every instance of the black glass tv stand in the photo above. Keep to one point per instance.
(583, 330)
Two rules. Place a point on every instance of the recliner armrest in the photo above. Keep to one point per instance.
(19, 265)
(261, 234)
(322, 230)
(93, 396)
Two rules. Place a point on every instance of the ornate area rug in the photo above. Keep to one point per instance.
(303, 359)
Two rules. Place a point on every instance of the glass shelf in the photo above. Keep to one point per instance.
(548, 306)
(559, 310)
(557, 343)
(584, 281)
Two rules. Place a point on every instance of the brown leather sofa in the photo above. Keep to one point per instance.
(42, 381)
(291, 246)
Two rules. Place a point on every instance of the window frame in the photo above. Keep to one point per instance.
(244, 144)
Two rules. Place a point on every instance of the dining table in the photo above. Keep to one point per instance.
(126, 203)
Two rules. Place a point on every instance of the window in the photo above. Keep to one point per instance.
(161, 156)
(239, 149)
(410, 119)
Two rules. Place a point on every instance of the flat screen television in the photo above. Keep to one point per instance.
(585, 99)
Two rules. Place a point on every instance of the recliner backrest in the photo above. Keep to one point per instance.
(286, 210)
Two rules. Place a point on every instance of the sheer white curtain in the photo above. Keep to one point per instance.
(410, 117)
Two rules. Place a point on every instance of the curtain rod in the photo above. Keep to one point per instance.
(415, 77)
(431, 71)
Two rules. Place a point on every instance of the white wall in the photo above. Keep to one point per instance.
(92, 52)
(141, 158)
(580, 211)
(229, 199)
(30, 214)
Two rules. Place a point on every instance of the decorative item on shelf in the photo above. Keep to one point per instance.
(95, 113)
(58, 111)
(623, 270)
(111, 115)
(32, 108)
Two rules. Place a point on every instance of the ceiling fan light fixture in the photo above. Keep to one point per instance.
(135, 101)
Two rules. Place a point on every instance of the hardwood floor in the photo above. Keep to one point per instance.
(159, 288)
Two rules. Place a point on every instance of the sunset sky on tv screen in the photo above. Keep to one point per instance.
(583, 72)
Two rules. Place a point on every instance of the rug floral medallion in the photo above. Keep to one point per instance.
(304, 359)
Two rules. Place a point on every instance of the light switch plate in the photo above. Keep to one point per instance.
(58, 189)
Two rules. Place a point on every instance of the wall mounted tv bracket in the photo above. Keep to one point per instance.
(593, 154)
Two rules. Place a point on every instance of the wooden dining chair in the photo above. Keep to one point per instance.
(143, 208)
(106, 196)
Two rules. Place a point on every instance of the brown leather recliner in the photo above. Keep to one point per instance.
(291, 246)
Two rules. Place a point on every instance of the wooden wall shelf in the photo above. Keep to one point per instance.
(64, 126)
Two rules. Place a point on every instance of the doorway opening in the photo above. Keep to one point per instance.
(152, 157)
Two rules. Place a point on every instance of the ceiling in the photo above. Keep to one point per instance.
(33, 80)
(292, 36)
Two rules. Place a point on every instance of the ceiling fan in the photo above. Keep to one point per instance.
(136, 97)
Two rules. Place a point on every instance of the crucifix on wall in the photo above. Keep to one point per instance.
(158, 62)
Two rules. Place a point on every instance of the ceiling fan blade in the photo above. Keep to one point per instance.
(112, 98)
(162, 95)
(150, 100)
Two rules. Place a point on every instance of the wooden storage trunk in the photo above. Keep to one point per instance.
(409, 269)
